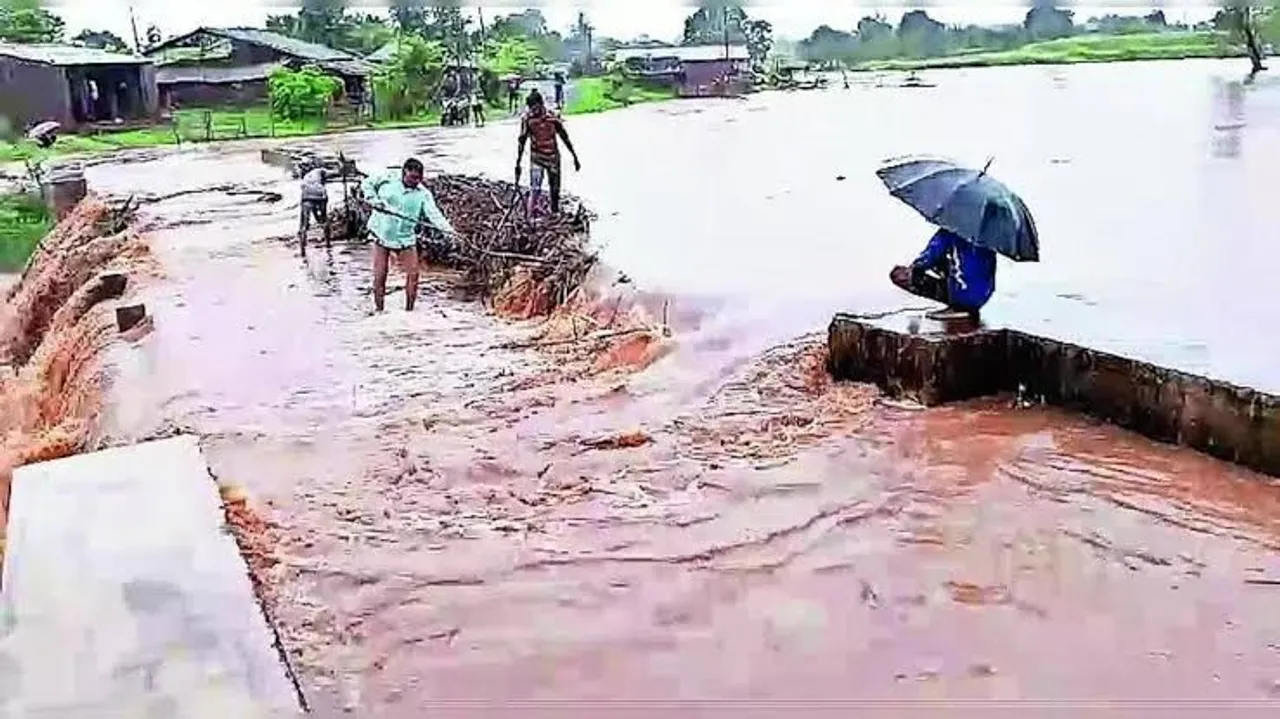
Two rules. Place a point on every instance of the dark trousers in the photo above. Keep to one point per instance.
(930, 284)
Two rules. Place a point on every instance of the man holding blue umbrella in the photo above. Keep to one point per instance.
(953, 271)
(977, 217)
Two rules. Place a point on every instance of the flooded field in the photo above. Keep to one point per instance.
(462, 517)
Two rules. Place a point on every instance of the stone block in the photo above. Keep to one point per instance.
(111, 286)
(278, 158)
(130, 316)
(1158, 402)
(931, 367)
(1225, 415)
(1231, 423)
(64, 193)
(125, 595)
(1265, 451)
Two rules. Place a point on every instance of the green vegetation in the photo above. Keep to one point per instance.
(185, 126)
(24, 221)
(1079, 49)
(599, 94)
(406, 86)
(303, 94)
(29, 21)
(1049, 33)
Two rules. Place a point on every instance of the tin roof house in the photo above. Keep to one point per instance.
(693, 70)
(75, 86)
(231, 66)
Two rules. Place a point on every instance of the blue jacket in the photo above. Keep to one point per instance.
(970, 270)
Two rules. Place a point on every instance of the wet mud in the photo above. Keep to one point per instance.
(451, 508)
(55, 331)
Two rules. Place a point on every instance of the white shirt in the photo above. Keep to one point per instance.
(313, 185)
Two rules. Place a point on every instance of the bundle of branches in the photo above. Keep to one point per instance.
(498, 239)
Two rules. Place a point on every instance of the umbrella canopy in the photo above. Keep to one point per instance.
(968, 202)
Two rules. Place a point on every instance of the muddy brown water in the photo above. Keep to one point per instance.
(448, 533)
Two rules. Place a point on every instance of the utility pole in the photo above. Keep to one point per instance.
(724, 14)
(133, 24)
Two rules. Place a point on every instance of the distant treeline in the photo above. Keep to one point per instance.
(919, 36)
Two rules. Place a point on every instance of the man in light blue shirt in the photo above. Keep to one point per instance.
(398, 204)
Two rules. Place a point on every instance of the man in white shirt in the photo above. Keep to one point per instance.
(315, 203)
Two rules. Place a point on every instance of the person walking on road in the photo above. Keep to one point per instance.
(559, 89)
(398, 205)
(543, 131)
(477, 108)
(315, 204)
(513, 94)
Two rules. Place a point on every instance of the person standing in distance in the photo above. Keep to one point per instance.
(543, 131)
(398, 204)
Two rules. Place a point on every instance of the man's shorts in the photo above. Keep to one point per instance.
(319, 209)
(537, 173)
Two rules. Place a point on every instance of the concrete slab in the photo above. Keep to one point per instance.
(1236, 424)
(130, 316)
(125, 595)
(908, 356)
(928, 362)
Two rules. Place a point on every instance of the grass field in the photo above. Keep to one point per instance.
(595, 94)
(23, 222)
(600, 94)
(193, 126)
(1080, 49)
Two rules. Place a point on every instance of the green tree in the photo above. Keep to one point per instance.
(287, 25)
(719, 21)
(921, 36)
(27, 21)
(301, 94)
(759, 36)
(408, 84)
(510, 56)
(1045, 21)
(364, 34)
(323, 22)
(1241, 20)
(101, 39)
(715, 22)
(530, 23)
(580, 47)
(410, 16)
(876, 40)
(447, 25)
(827, 44)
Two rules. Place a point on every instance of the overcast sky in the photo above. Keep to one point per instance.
(614, 18)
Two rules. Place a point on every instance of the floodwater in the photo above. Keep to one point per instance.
(453, 523)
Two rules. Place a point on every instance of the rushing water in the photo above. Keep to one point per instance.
(449, 530)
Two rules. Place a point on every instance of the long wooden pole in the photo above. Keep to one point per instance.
(133, 23)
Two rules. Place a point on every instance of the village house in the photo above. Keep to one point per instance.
(231, 66)
(692, 70)
(75, 86)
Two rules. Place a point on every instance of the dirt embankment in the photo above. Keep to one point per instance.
(54, 330)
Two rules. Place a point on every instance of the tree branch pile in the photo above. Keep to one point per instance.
(499, 245)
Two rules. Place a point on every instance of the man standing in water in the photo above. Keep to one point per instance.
(543, 131)
(398, 204)
(953, 271)
(315, 204)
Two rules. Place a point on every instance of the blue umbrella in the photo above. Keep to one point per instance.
(968, 202)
